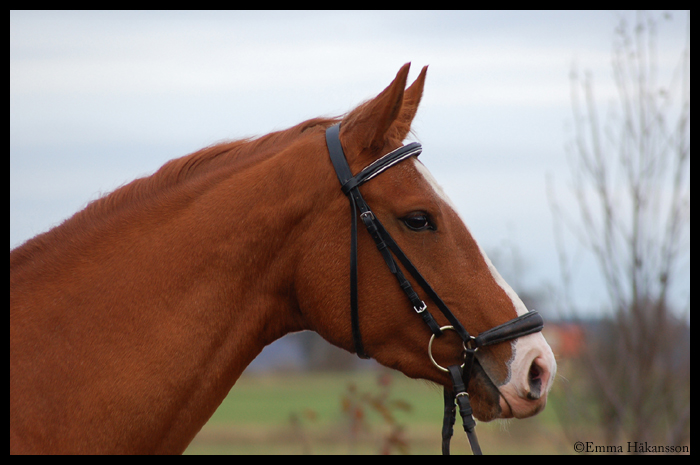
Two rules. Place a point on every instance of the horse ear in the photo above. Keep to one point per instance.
(411, 100)
(367, 129)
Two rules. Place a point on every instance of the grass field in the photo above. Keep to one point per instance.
(367, 412)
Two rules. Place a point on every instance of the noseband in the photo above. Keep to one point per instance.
(528, 323)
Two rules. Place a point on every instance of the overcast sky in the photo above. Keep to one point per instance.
(100, 98)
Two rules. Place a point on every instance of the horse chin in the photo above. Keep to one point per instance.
(486, 401)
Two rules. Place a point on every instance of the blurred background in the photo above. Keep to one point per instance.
(562, 137)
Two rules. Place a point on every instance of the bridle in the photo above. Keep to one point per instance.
(528, 323)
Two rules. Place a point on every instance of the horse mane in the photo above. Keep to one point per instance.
(230, 156)
(207, 165)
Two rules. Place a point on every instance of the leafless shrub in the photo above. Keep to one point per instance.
(630, 176)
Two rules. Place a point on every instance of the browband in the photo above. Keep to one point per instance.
(342, 169)
(376, 167)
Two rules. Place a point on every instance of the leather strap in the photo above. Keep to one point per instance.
(530, 322)
(448, 420)
(458, 394)
(340, 163)
(349, 185)
(413, 271)
(381, 164)
(374, 227)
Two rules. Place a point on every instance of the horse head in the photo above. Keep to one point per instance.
(510, 379)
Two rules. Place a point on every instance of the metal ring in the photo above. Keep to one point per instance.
(430, 349)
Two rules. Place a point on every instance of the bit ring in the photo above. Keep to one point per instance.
(430, 350)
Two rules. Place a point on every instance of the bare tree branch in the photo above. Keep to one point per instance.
(630, 175)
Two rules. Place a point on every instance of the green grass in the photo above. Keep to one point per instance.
(295, 413)
(266, 399)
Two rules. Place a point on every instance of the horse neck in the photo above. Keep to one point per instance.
(141, 324)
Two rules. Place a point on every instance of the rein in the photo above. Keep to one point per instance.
(528, 323)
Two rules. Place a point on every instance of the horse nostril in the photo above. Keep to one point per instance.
(535, 381)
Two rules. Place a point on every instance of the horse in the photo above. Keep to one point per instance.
(131, 320)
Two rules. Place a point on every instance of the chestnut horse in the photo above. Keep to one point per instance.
(131, 321)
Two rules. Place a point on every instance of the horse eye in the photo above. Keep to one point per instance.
(418, 222)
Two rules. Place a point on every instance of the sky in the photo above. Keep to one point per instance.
(98, 99)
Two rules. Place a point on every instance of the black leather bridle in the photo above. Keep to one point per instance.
(528, 323)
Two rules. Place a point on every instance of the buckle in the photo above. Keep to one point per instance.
(367, 215)
(422, 308)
